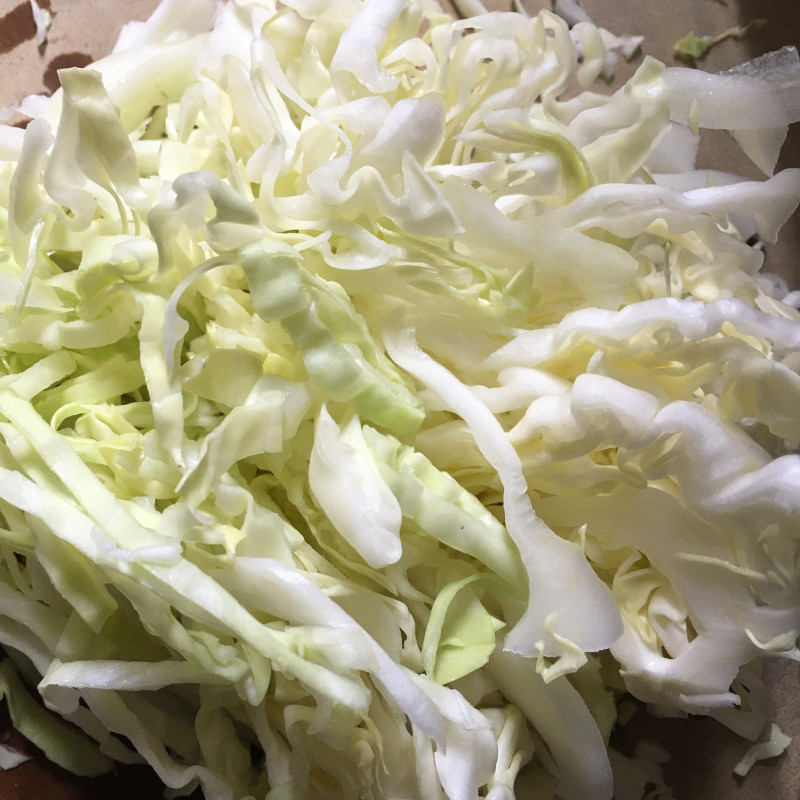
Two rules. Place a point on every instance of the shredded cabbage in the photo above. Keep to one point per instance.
(775, 745)
(692, 47)
(379, 404)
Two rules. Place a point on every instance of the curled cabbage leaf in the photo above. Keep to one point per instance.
(379, 403)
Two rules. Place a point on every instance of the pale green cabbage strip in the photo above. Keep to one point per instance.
(379, 403)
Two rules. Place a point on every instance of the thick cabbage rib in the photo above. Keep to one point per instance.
(380, 404)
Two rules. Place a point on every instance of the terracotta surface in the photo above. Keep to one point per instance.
(703, 752)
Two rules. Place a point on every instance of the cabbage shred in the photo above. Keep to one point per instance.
(379, 403)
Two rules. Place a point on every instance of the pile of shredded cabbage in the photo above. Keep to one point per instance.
(380, 403)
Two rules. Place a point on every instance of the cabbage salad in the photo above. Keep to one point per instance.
(380, 404)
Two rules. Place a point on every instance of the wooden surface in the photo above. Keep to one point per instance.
(703, 752)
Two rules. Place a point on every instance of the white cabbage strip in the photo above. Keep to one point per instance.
(372, 417)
